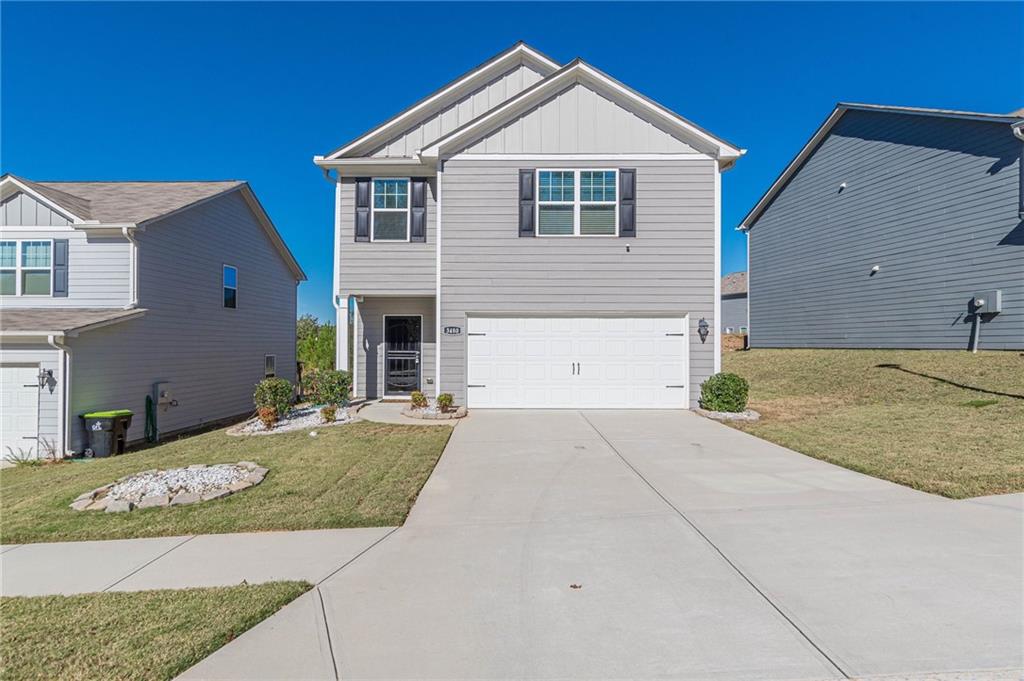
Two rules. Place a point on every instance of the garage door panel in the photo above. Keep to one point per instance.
(19, 409)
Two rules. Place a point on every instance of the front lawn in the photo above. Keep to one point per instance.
(138, 635)
(945, 422)
(360, 475)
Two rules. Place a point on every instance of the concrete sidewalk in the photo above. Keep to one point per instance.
(180, 562)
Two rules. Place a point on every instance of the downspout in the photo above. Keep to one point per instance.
(336, 267)
(63, 422)
(133, 268)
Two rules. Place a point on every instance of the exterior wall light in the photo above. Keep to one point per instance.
(45, 376)
(702, 329)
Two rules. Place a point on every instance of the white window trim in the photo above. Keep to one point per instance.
(576, 203)
(19, 268)
(407, 210)
(273, 372)
(224, 285)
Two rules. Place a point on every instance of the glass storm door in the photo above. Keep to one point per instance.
(401, 355)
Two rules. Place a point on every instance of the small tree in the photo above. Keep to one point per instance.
(275, 393)
(314, 343)
(724, 392)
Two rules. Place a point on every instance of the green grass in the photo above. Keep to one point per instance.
(913, 417)
(359, 475)
(140, 635)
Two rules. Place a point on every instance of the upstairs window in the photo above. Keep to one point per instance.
(26, 268)
(389, 219)
(230, 286)
(577, 203)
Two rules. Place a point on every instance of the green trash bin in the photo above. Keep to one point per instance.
(107, 431)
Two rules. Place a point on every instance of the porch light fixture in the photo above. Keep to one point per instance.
(45, 376)
(702, 329)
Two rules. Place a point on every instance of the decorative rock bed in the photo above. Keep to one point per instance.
(171, 487)
(745, 415)
(433, 413)
(300, 418)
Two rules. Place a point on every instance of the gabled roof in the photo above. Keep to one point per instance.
(1015, 119)
(137, 204)
(578, 71)
(734, 284)
(499, 63)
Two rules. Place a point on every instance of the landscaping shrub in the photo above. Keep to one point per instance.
(273, 392)
(445, 401)
(418, 400)
(268, 416)
(724, 392)
(328, 413)
(332, 387)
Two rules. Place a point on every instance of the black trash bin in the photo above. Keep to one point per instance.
(107, 431)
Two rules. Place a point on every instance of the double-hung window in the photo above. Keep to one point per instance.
(577, 203)
(389, 219)
(230, 286)
(26, 268)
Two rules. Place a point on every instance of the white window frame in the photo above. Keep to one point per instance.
(19, 268)
(576, 203)
(407, 210)
(224, 285)
(272, 371)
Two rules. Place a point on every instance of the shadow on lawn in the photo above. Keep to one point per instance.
(897, 367)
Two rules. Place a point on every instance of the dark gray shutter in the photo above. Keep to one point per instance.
(526, 201)
(627, 202)
(418, 209)
(60, 268)
(363, 194)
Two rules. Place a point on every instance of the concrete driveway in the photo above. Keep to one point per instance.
(656, 545)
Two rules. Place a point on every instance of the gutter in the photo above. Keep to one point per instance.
(63, 420)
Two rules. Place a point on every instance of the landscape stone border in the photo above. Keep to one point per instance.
(97, 499)
(432, 415)
(745, 415)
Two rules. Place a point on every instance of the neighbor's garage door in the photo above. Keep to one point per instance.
(577, 362)
(19, 410)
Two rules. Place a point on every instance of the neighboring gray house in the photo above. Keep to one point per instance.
(886, 231)
(734, 303)
(530, 235)
(109, 288)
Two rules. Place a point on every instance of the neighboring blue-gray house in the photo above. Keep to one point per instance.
(734, 303)
(114, 291)
(893, 227)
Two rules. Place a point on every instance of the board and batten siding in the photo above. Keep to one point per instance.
(99, 267)
(486, 268)
(370, 358)
(46, 357)
(932, 201)
(579, 120)
(212, 356)
(460, 112)
(386, 267)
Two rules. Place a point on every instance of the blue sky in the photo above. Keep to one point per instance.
(253, 91)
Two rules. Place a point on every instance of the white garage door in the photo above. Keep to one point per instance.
(19, 410)
(578, 362)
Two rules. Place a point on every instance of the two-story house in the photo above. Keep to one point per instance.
(531, 235)
(114, 291)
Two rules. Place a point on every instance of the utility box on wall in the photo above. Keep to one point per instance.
(987, 302)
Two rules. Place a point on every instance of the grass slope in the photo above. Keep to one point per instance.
(950, 423)
(139, 635)
(360, 475)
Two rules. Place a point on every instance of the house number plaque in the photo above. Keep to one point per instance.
(453, 330)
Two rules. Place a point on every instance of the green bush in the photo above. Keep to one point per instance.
(418, 400)
(332, 387)
(275, 393)
(724, 392)
(445, 401)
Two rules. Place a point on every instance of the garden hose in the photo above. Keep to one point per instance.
(151, 432)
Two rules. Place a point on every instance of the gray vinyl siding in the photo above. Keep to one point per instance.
(734, 312)
(579, 120)
(460, 112)
(932, 201)
(488, 269)
(49, 396)
(370, 359)
(379, 267)
(21, 209)
(212, 356)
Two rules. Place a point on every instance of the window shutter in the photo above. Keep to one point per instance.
(60, 268)
(418, 209)
(363, 192)
(627, 202)
(526, 201)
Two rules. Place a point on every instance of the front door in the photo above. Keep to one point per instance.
(402, 339)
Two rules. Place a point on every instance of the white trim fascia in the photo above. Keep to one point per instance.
(696, 156)
(355, 167)
(56, 341)
(576, 72)
(1018, 130)
(357, 345)
(55, 207)
(519, 53)
(437, 281)
(716, 329)
(133, 267)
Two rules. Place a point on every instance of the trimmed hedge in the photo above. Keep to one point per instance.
(724, 392)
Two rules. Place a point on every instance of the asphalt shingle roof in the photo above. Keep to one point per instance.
(58, 320)
(734, 284)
